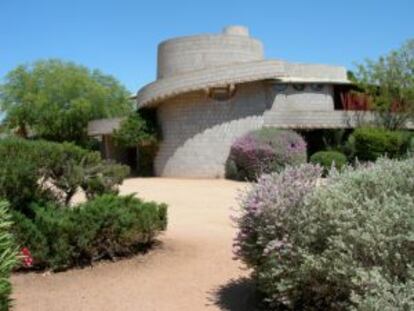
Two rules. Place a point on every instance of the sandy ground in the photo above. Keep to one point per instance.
(190, 269)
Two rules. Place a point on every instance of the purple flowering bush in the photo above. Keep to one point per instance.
(344, 245)
(264, 151)
(267, 208)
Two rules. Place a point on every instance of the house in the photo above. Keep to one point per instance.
(214, 88)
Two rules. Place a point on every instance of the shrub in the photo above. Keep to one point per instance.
(40, 171)
(264, 151)
(7, 256)
(372, 143)
(328, 158)
(27, 234)
(346, 245)
(105, 227)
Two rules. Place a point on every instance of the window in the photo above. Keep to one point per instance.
(280, 87)
(299, 87)
(317, 87)
(222, 93)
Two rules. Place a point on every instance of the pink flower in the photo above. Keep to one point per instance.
(27, 257)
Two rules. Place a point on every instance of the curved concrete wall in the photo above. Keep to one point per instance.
(198, 131)
(188, 54)
(308, 99)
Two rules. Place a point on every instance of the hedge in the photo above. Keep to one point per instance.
(371, 143)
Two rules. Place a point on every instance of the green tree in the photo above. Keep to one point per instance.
(137, 129)
(56, 99)
(390, 83)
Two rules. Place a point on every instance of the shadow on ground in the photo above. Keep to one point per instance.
(237, 295)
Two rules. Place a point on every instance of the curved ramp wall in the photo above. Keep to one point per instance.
(198, 131)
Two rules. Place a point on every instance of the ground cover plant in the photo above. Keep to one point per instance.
(263, 151)
(346, 245)
(8, 256)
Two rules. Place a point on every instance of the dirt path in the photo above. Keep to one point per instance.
(192, 269)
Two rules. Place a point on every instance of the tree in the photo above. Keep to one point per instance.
(140, 131)
(55, 100)
(137, 129)
(390, 83)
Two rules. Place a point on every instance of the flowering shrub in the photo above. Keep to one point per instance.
(266, 211)
(27, 258)
(264, 151)
(346, 245)
(7, 256)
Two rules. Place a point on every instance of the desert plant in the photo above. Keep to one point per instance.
(327, 159)
(342, 246)
(266, 209)
(8, 256)
(263, 151)
(105, 227)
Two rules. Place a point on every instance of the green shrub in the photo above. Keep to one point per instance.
(328, 158)
(347, 245)
(263, 151)
(40, 171)
(105, 227)
(28, 234)
(372, 143)
(7, 257)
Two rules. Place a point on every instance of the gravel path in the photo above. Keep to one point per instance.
(190, 269)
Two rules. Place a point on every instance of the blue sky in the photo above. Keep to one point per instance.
(120, 36)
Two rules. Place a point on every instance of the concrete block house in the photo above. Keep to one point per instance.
(213, 88)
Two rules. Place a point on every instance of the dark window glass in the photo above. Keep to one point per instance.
(221, 93)
(299, 87)
(280, 87)
(317, 86)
